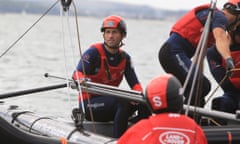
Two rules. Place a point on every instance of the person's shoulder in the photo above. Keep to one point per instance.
(92, 50)
(146, 123)
(136, 132)
(125, 54)
(188, 119)
(219, 15)
(219, 20)
(177, 116)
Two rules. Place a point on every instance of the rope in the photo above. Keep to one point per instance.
(35, 121)
(66, 12)
(214, 122)
(64, 49)
(199, 55)
(66, 6)
(220, 83)
(14, 43)
(215, 90)
(80, 52)
(84, 71)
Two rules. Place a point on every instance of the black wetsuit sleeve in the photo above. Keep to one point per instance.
(130, 73)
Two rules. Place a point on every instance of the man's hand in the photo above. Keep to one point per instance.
(74, 84)
(229, 66)
(81, 80)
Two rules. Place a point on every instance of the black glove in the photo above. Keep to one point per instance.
(229, 66)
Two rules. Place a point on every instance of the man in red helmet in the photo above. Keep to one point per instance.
(177, 52)
(166, 125)
(107, 63)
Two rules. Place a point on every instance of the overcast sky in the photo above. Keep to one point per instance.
(172, 4)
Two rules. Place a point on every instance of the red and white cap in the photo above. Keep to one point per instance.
(162, 94)
(114, 21)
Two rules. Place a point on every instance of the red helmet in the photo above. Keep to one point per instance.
(235, 2)
(233, 6)
(114, 21)
(162, 94)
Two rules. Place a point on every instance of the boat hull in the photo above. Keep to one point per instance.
(25, 127)
(39, 126)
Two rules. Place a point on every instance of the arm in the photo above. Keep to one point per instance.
(215, 64)
(222, 38)
(88, 62)
(131, 76)
(223, 42)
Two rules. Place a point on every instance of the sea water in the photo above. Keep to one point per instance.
(53, 46)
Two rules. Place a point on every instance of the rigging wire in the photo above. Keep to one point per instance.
(71, 43)
(220, 83)
(80, 52)
(15, 42)
(79, 48)
(65, 14)
(65, 10)
(215, 90)
(77, 114)
(199, 55)
(83, 67)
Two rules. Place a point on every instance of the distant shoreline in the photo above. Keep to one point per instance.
(92, 8)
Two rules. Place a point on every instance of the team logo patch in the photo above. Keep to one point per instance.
(174, 138)
(86, 58)
(213, 64)
(110, 24)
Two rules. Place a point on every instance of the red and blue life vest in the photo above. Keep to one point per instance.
(107, 74)
(190, 27)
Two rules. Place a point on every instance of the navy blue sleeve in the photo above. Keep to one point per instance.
(219, 20)
(217, 70)
(89, 59)
(215, 63)
(130, 73)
